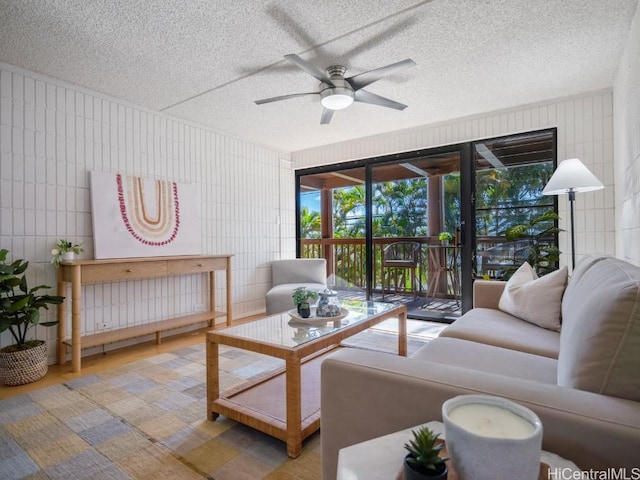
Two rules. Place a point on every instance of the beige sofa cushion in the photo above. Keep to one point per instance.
(493, 327)
(536, 300)
(490, 359)
(600, 338)
(299, 270)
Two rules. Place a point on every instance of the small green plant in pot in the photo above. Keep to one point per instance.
(65, 250)
(445, 237)
(301, 297)
(423, 460)
(26, 360)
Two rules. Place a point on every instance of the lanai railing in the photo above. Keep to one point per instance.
(346, 261)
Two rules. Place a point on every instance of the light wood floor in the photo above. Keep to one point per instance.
(114, 358)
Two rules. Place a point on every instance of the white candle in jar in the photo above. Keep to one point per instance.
(491, 421)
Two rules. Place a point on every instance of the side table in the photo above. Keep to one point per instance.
(381, 458)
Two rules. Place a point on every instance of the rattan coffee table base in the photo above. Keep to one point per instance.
(286, 403)
(261, 403)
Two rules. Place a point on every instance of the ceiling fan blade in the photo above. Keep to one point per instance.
(368, 97)
(363, 79)
(381, 37)
(283, 97)
(327, 114)
(311, 69)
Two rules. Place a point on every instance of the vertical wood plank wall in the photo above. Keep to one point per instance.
(52, 134)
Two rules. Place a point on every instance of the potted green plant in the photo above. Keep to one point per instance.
(538, 235)
(26, 360)
(444, 238)
(301, 297)
(423, 460)
(65, 250)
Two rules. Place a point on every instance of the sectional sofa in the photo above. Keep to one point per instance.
(581, 376)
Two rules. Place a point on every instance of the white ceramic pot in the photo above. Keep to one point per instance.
(492, 438)
(68, 257)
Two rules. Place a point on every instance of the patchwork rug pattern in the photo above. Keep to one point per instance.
(147, 420)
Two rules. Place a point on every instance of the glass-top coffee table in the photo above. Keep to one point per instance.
(286, 403)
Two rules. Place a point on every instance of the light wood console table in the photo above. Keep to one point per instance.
(83, 272)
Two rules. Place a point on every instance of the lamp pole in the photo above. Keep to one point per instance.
(572, 197)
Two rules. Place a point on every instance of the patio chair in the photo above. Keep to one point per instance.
(401, 256)
(502, 260)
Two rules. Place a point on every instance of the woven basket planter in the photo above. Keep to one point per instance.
(23, 366)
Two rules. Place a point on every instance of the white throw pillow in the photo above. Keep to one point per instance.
(536, 300)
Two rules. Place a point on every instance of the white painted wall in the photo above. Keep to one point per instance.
(585, 130)
(52, 134)
(627, 147)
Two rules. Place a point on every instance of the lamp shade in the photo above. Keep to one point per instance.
(572, 176)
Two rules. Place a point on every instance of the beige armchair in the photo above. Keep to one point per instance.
(287, 275)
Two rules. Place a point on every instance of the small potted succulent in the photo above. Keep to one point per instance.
(301, 297)
(26, 360)
(444, 238)
(65, 251)
(423, 460)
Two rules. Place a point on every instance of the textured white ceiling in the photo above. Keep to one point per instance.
(208, 60)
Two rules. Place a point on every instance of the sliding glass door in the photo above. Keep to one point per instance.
(514, 221)
(421, 226)
(369, 219)
(416, 239)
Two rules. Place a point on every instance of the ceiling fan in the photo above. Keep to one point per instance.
(337, 92)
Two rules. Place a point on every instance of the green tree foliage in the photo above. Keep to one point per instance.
(349, 212)
(539, 234)
(509, 203)
(451, 193)
(400, 208)
(310, 223)
(508, 196)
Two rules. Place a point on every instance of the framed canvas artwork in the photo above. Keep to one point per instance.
(141, 217)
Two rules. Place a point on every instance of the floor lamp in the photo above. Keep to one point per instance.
(572, 177)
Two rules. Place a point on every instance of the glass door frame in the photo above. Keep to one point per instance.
(552, 200)
(466, 210)
(468, 237)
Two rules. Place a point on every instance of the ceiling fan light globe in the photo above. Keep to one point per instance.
(337, 101)
(338, 96)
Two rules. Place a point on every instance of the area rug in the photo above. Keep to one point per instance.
(147, 420)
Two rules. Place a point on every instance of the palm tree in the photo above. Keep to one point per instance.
(401, 208)
(310, 223)
(348, 212)
(505, 196)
